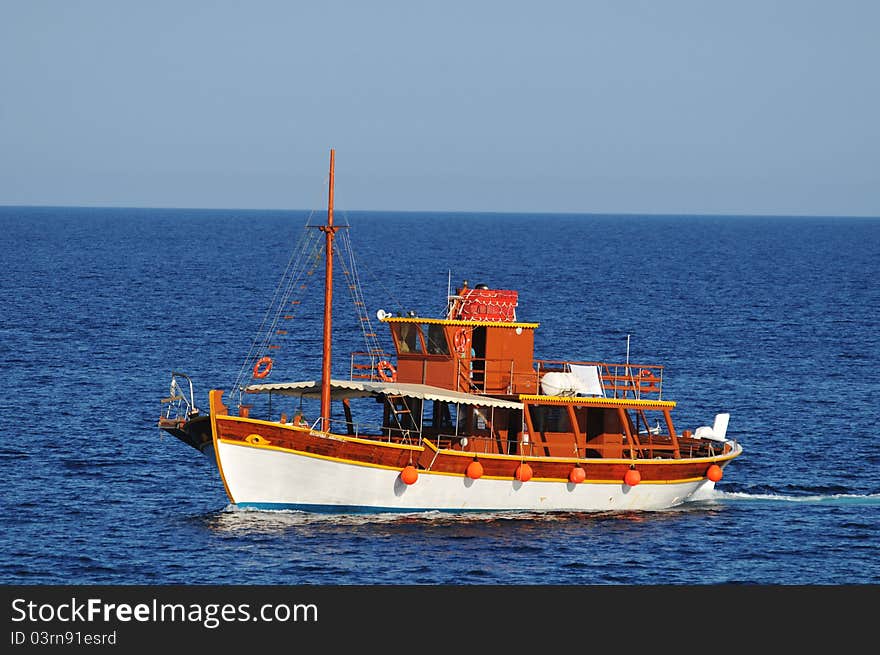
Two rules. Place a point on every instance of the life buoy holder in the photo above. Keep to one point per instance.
(262, 367)
(386, 371)
(460, 341)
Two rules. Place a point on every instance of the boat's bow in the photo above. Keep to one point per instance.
(183, 420)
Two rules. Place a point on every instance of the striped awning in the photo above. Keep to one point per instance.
(361, 389)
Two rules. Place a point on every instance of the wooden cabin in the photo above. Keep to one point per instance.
(479, 347)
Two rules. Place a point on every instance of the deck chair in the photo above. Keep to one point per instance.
(589, 382)
(717, 432)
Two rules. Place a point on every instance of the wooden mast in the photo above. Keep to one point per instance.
(329, 231)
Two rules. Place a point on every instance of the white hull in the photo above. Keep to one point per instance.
(272, 479)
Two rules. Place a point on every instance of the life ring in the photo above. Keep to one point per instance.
(260, 372)
(386, 371)
(460, 341)
(648, 378)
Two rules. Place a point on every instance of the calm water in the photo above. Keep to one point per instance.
(772, 319)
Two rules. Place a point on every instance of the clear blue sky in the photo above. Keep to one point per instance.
(755, 107)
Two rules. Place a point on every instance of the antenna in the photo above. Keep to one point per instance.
(449, 300)
(382, 314)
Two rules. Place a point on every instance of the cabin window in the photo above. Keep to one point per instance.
(407, 337)
(481, 422)
(550, 418)
(444, 416)
(593, 421)
(436, 340)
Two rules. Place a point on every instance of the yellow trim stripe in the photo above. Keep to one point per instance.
(596, 400)
(446, 321)
(585, 461)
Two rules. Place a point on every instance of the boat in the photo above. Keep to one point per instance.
(460, 416)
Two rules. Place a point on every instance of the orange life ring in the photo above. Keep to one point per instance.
(460, 341)
(648, 378)
(386, 371)
(260, 372)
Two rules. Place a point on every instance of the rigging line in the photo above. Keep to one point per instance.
(359, 290)
(344, 214)
(356, 293)
(280, 291)
(355, 287)
(292, 285)
(293, 261)
(385, 288)
(294, 282)
(290, 274)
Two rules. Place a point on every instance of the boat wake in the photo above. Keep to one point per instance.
(256, 516)
(820, 499)
(243, 519)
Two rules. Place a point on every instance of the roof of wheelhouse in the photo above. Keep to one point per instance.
(462, 322)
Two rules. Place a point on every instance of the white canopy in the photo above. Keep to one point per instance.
(362, 388)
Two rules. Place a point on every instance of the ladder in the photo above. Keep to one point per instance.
(402, 414)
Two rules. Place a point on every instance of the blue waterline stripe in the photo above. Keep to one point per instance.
(357, 509)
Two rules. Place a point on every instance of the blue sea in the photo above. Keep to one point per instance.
(772, 319)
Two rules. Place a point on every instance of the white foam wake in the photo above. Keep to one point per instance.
(835, 499)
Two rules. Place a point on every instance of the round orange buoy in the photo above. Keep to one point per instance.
(475, 470)
(632, 477)
(577, 475)
(262, 367)
(409, 474)
(714, 473)
(523, 472)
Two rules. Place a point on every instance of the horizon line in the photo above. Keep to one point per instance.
(730, 214)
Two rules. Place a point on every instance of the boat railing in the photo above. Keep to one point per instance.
(499, 376)
(372, 431)
(178, 405)
(480, 444)
(486, 376)
(634, 381)
(413, 436)
(651, 443)
(364, 365)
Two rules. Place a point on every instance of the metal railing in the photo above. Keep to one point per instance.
(499, 376)
(618, 380)
(488, 376)
(178, 405)
(365, 365)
